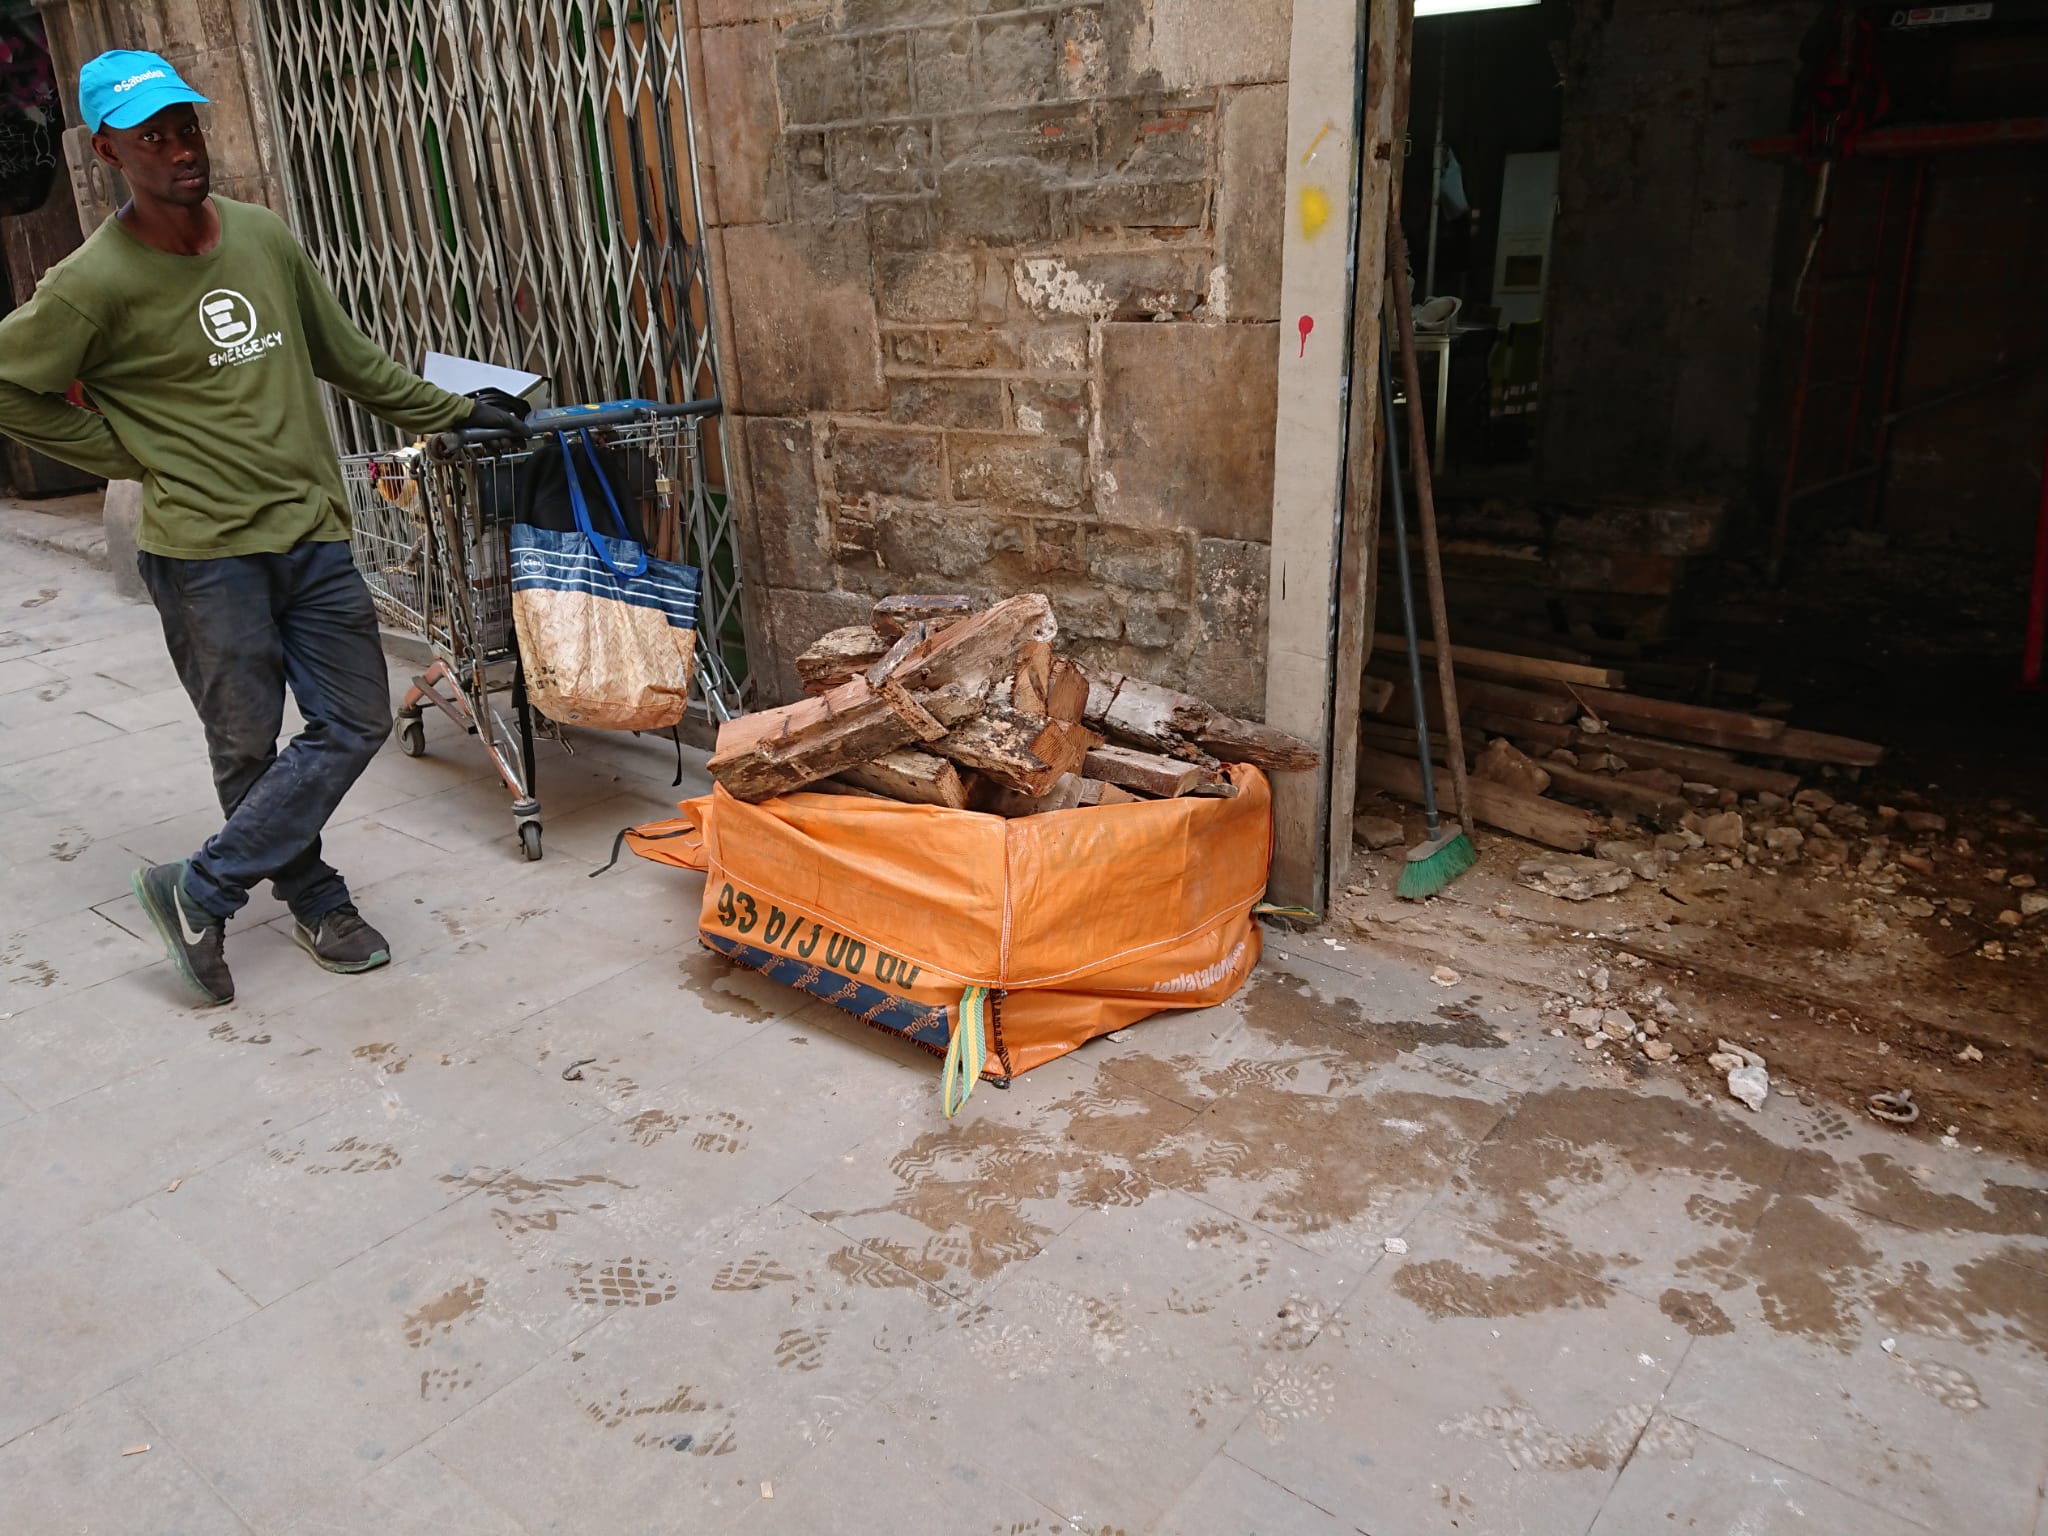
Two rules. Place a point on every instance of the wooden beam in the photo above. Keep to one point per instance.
(1166, 777)
(1604, 789)
(1698, 723)
(1817, 747)
(1701, 765)
(1506, 664)
(894, 615)
(1027, 753)
(838, 656)
(1531, 816)
(918, 778)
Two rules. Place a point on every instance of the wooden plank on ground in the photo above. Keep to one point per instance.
(1698, 723)
(1605, 789)
(1818, 747)
(1540, 820)
(1701, 765)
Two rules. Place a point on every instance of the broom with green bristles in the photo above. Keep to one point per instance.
(1445, 852)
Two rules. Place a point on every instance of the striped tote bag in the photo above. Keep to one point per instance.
(607, 634)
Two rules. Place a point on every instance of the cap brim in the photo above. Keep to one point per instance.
(139, 109)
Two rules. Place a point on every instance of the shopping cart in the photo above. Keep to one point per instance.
(432, 538)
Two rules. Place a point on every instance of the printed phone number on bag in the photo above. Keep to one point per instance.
(782, 932)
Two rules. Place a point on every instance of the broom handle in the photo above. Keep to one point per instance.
(1425, 515)
(1397, 497)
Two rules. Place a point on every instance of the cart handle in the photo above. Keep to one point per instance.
(570, 418)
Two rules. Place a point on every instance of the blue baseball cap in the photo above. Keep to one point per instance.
(125, 87)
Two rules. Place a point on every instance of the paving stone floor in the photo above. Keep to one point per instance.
(351, 1256)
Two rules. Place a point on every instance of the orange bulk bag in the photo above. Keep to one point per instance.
(1041, 932)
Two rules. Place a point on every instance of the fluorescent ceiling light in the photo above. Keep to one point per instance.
(1452, 7)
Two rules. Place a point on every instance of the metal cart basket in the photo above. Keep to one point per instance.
(432, 529)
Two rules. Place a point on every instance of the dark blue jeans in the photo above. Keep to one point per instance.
(240, 629)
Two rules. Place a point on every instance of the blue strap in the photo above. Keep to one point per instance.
(581, 507)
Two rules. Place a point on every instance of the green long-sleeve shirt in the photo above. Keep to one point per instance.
(204, 367)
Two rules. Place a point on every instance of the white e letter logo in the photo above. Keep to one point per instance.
(228, 319)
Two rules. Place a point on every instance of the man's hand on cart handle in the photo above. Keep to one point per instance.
(486, 417)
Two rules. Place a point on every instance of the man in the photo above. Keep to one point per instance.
(198, 327)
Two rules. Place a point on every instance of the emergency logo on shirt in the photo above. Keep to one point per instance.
(229, 320)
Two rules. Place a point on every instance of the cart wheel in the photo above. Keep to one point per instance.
(529, 841)
(412, 738)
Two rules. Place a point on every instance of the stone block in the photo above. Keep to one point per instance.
(885, 75)
(1187, 428)
(999, 204)
(1017, 60)
(1139, 560)
(794, 622)
(972, 403)
(1059, 137)
(802, 313)
(807, 160)
(1085, 613)
(1018, 472)
(974, 350)
(725, 13)
(1198, 43)
(1147, 141)
(1055, 407)
(1056, 547)
(908, 349)
(743, 132)
(942, 542)
(927, 286)
(1170, 205)
(882, 159)
(1251, 203)
(1227, 659)
(820, 81)
(1054, 348)
(858, 14)
(1152, 623)
(942, 69)
(788, 521)
(1082, 51)
(1115, 285)
(901, 224)
(867, 462)
(120, 519)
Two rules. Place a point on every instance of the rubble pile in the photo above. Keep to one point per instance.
(937, 701)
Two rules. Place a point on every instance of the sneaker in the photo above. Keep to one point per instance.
(342, 941)
(192, 936)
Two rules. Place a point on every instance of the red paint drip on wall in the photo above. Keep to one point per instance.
(1308, 323)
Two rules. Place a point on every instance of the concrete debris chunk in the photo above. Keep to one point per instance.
(1444, 976)
(1574, 879)
(1748, 1079)
(1659, 1050)
(2033, 904)
(1616, 1024)
(1723, 830)
(1376, 832)
(1924, 821)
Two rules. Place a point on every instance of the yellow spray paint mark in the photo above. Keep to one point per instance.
(1315, 211)
(1315, 143)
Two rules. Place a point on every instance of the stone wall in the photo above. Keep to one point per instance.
(999, 286)
(213, 44)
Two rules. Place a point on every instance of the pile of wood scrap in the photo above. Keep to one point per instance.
(1557, 731)
(938, 701)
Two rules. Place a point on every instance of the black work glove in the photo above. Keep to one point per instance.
(486, 416)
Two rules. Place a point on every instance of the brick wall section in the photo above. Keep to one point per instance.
(999, 286)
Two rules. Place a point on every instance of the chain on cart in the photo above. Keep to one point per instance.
(432, 532)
